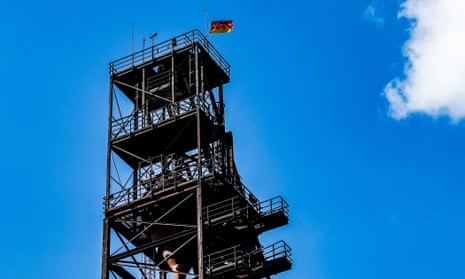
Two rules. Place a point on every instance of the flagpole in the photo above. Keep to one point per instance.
(206, 22)
(206, 28)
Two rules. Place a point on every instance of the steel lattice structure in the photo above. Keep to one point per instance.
(174, 202)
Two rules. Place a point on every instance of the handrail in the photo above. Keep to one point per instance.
(158, 50)
(225, 210)
(154, 179)
(277, 250)
(233, 208)
(224, 260)
(229, 258)
(273, 205)
(138, 120)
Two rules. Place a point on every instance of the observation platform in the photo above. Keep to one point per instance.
(259, 216)
(167, 64)
(236, 263)
(141, 136)
(233, 218)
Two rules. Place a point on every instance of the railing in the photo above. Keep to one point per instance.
(224, 260)
(273, 205)
(138, 120)
(277, 250)
(166, 172)
(225, 210)
(231, 258)
(155, 51)
(233, 208)
(157, 176)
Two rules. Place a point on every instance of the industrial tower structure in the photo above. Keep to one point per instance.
(175, 205)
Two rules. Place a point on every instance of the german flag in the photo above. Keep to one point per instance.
(221, 26)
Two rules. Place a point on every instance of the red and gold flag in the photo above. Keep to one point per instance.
(221, 26)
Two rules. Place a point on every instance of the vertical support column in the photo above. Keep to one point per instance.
(106, 225)
(221, 122)
(221, 104)
(144, 104)
(136, 108)
(135, 180)
(199, 202)
(196, 69)
(106, 249)
(139, 118)
(173, 44)
(200, 266)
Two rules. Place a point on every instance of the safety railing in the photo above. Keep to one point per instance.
(234, 257)
(226, 210)
(156, 175)
(224, 260)
(164, 173)
(277, 250)
(233, 208)
(138, 120)
(272, 206)
(169, 46)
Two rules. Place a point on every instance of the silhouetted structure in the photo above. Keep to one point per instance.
(174, 199)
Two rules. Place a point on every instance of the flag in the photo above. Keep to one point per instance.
(221, 26)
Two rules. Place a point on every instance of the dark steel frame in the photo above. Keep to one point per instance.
(142, 173)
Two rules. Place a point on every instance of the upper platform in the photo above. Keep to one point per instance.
(171, 70)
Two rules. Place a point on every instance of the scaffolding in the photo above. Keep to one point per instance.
(175, 205)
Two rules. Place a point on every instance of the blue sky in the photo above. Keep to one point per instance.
(351, 110)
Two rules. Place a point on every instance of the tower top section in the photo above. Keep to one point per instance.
(166, 72)
(166, 48)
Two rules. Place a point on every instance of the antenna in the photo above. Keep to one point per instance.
(206, 22)
(133, 39)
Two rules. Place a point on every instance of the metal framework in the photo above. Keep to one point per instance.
(175, 206)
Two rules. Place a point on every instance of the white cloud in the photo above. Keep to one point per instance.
(433, 82)
(371, 14)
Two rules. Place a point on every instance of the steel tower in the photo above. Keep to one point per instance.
(175, 205)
